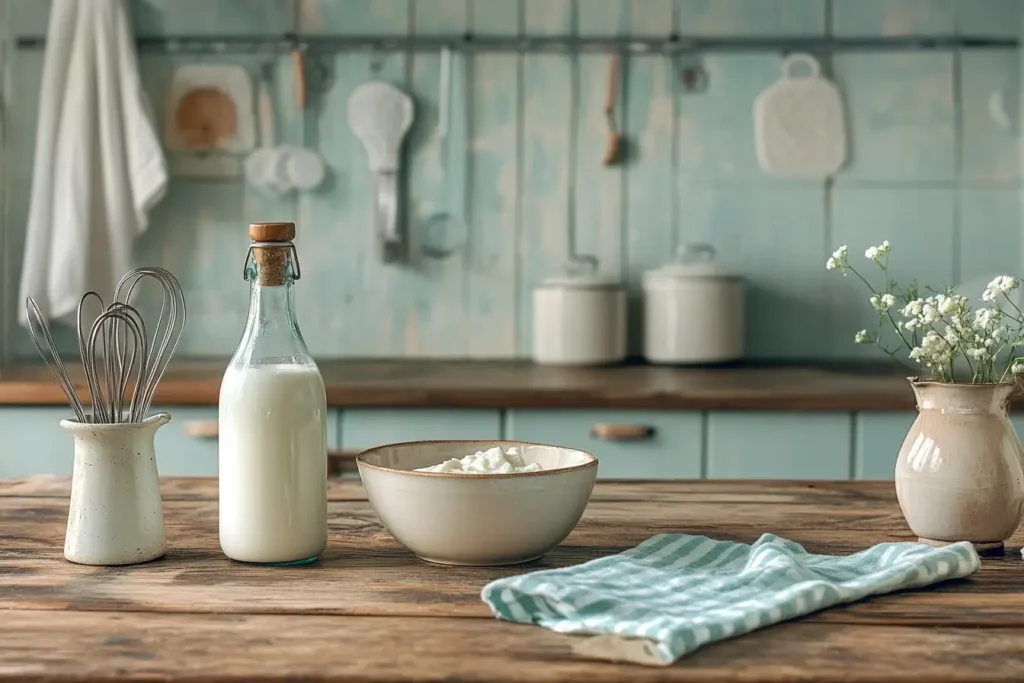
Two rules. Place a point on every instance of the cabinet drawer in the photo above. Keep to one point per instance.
(190, 448)
(774, 445)
(363, 428)
(33, 442)
(879, 439)
(629, 444)
(178, 452)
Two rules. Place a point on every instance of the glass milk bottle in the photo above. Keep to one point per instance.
(273, 419)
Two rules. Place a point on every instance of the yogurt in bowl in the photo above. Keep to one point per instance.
(481, 503)
(491, 461)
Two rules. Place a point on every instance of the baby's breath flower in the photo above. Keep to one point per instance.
(985, 319)
(950, 304)
(1003, 284)
(913, 308)
(839, 259)
(978, 354)
(934, 351)
(875, 253)
(944, 328)
(883, 303)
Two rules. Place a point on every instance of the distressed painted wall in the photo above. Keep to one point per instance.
(930, 169)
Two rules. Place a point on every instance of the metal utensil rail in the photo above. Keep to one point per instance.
(470, 42)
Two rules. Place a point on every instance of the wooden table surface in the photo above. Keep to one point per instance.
(516, 384)
(369, 611)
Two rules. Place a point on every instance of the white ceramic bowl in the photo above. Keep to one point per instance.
(477, 519)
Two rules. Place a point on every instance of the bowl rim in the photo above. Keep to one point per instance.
(361, 459)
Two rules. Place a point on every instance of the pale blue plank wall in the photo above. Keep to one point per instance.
(930, 169)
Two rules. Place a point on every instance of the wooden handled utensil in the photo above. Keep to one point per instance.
(613, 151)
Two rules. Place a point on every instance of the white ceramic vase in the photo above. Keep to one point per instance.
(960, 472)
(116, 514)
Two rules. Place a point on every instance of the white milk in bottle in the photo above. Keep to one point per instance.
(273, 420)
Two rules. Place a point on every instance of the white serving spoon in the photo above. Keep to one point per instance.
(380, 115)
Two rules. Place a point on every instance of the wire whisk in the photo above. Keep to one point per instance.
(117, 349)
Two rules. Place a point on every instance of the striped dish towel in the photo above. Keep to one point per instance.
(674, 593)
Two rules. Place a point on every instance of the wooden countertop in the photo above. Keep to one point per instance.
(487, 384)
(370, 611)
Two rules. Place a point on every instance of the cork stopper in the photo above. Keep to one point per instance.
(271, 232)
(271, 262)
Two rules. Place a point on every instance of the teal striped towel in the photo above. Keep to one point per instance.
(674, 593)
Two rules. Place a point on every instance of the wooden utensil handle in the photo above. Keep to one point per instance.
(300, 77)
(621, 432)
(202, 429)
(612, 95)
(338, 461)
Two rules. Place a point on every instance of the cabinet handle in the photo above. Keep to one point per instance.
(621, 432)
(338, 462)
(202, 429)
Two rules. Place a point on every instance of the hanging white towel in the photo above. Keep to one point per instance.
(99, 167)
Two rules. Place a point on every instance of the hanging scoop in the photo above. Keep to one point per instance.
(381, 115)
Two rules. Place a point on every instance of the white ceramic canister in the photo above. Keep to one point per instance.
(693, 310)
(579, 318)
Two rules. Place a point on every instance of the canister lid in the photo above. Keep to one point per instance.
(581, 273)
(692, 261)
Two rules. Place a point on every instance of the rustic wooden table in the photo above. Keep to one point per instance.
(369, 611)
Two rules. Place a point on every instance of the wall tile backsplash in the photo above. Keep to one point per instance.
(933, 165)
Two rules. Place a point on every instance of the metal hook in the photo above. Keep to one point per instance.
(320, 73)
(377, 60)
(691, 73)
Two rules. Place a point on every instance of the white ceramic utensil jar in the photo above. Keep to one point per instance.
(116, 515)
(579, 318)
(693, 310)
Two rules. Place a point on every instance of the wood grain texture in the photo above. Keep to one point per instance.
(112, 647)
(512, 384)
(369, 611)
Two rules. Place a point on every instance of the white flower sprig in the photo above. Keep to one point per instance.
(939, 329)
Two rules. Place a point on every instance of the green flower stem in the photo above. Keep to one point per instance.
(887, 312)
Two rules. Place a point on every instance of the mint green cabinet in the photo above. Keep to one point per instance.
(179, 453)
(877, 440)
(33, 442)
(777, 445)
(185, 447)
(363, 428)
(629, 444)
